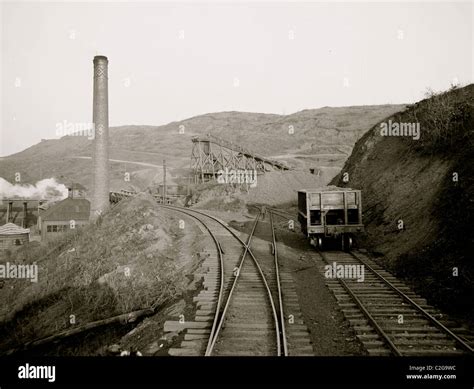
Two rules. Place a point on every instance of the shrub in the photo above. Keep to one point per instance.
(446, 119)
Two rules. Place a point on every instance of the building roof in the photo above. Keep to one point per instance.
(76, 185)
(68, 209)
(13, 229)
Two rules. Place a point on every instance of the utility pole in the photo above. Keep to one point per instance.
(164, 181)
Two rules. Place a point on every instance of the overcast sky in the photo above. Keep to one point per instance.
(171, 61)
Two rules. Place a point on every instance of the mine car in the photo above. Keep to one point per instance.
(330, 213)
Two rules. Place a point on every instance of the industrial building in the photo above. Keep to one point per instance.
(70, 213)
(22, 212)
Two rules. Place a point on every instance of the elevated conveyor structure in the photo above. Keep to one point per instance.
(211, 154)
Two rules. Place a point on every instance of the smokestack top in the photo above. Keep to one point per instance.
(99, 58)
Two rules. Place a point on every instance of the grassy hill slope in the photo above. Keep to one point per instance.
(130, 261)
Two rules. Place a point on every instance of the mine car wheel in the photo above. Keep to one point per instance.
(348, 243)
(319, 242)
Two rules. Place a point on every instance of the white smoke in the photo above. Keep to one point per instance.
(47, 189)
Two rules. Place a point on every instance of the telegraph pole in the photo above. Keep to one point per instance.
(164, 181)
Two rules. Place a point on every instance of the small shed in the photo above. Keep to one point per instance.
(12, 236)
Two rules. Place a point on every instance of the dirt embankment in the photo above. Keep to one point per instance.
(277, 188)
(418, 197)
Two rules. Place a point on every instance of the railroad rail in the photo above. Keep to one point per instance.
(245, 313)
(389, 318)
(281, 213)
(296, 340)
(241, 309)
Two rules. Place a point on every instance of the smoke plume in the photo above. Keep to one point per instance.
(47, 189)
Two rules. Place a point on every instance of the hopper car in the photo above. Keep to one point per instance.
(330, 214)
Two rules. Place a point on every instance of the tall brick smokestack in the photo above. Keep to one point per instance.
(100, 197)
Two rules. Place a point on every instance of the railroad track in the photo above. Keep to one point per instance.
(282, 285)
(281, 213)
(241, 308)
(389, 318)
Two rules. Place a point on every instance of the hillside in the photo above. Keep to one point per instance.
(135, 258)
(413, 181)
(322, 137)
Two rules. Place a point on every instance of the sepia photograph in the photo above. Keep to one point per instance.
(278, 192)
